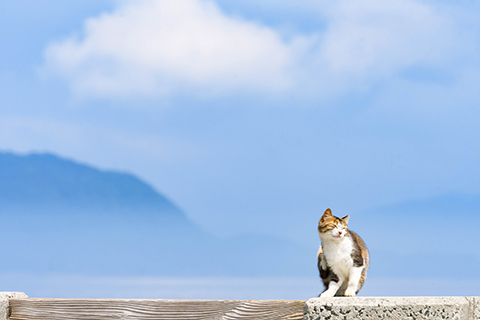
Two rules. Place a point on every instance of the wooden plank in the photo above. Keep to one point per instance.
(100, 309)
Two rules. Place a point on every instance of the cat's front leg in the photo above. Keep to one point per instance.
(353, 280)
(333, 286)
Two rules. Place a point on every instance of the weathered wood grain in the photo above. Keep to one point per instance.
(100, 309)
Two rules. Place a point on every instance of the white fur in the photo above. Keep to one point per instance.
(353, 280)
(337, 249)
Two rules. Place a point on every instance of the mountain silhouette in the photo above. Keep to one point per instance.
(45, 180)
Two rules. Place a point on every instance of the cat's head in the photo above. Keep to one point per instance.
(331, 227)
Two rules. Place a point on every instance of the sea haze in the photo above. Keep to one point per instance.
(72, 230)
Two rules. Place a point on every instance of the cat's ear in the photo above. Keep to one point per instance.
(345, 219)
(327, 212)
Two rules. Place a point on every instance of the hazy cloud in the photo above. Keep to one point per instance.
(370, 42)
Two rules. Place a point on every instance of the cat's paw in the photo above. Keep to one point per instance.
(350, 292)
(327, 294)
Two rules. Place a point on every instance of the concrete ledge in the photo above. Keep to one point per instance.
(474, 308)
(4, 302)
(408, 308)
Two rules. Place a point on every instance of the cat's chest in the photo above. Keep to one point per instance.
(339, 255)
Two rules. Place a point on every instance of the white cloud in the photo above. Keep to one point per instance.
(161, 47)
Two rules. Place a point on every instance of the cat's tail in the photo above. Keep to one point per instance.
(323, 269)
(322, 265)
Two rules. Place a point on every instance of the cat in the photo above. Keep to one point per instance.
(343, 258)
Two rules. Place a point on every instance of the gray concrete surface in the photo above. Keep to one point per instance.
(474, 307)
(398, 308)
(4, 296)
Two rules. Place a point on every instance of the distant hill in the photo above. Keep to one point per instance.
(60, 216)
(445, 205)
(435, 237)
(46, 180)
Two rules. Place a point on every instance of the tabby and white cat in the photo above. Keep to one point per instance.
(343, 258)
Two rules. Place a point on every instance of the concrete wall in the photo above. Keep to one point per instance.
(408, 308)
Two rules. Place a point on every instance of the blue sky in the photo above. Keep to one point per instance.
(252, 117)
